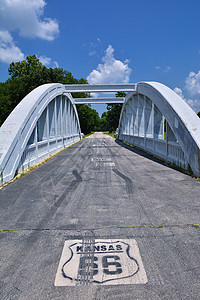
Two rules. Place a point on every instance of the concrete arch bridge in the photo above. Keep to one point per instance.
(153, 118)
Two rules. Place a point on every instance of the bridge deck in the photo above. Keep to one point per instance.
(99, 192)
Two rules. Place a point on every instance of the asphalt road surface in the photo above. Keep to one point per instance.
(101, 220)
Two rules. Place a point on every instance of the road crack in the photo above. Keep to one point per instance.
(100, 228)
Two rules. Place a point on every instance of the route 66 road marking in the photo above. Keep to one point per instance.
(100, 262)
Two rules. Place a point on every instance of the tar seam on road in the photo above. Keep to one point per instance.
(100, 228)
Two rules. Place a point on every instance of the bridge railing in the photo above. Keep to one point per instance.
(155, 119)
(168, 151)
(44, 122)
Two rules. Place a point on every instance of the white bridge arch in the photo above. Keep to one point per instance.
(46, 121)
(157, 120)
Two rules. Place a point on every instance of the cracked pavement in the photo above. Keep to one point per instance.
(101, 190)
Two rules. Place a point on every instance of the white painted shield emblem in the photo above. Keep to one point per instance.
(100, 262)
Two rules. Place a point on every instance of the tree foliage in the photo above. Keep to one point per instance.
(103, 124)
(88, 117)
(5, 101)
(113, 116)
(110, 119)
(28, 74)
(198, 114)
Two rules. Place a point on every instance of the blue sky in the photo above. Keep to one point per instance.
(108, 41)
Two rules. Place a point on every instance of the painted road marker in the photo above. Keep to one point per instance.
(100, 262)
(103, 161)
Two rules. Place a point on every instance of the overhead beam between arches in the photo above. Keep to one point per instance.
(99, 88)
(99, 100)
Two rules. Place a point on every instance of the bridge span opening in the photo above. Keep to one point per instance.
(153, 118)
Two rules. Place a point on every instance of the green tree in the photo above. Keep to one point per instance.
(30, 73)
(25, 76)
(198, 114)
(103, 124)
(5, 101)
(88, 117)
(113, 114)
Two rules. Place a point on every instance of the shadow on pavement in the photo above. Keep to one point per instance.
(150, 157)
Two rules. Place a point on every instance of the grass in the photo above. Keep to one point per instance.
(86, 135)
(110, 133)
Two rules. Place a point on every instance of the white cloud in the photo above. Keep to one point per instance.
(95, 43)
(26, 16)
(9, 52)
(166, 69)
(193, 83)
(47, 61)
(92, 53)
(179, 92)
(110, 71)
(56, 64)
(193, 103)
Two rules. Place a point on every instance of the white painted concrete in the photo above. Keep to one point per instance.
(151, 103)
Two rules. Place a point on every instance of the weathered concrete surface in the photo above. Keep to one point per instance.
(55, 129)
(99, 183)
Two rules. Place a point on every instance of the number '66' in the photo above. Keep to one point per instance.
(107, 261)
